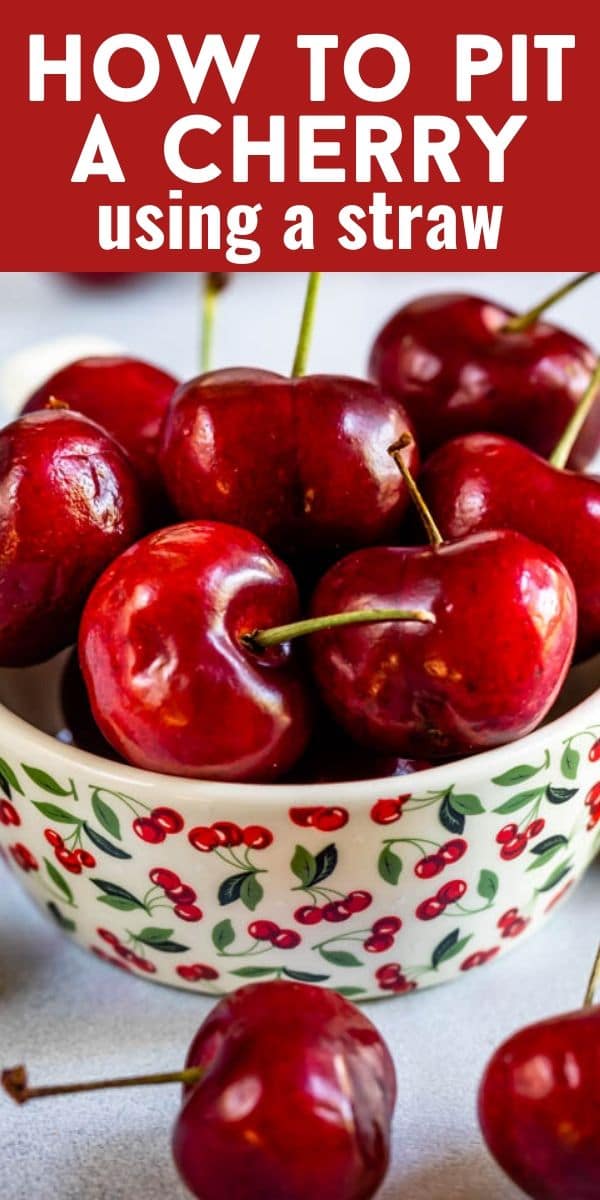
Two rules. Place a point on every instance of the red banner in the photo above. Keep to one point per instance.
(185, 138)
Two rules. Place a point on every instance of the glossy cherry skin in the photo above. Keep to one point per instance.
(128, 397)
(171, 686)
(79, 727)
(539, 1107)
(485, 481)
(286, 1117)
(488, 670)
(69, 504)
(449, 362)
(303, 463)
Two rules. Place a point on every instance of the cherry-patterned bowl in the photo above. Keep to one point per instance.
(374, 888)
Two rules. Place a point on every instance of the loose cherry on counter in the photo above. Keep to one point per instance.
(268, 1115)
(461, 364)
(484, 481)
(301, 462)
(69, 504)
(128, 397)
(539, 1104)
(486, 672)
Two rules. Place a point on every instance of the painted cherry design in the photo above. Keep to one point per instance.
(235, 1137)
(196, 972)
(391, 978)
(269, 931)
(23, 857)
(539, 1105)
(73, 860)
(8, 813)
(434, 906)
(182, 896)
(125, 954)
(592, 801)
(432, 864)
(69, 504)
(457, 369)
(127, 397)
(159, 824)
(319, 817)
(172, 684)
(382, 935)
(479, 958)
(385, 812)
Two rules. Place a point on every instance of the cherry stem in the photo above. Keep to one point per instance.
(307, 324)
(431, 529)
(212, 286)
(593, 983)
(523, 321)
(15, 1083)
(261, 639)
(562, 450)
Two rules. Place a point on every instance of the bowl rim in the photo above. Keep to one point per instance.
(484, 765)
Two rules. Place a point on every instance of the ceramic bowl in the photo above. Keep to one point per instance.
(374, 888)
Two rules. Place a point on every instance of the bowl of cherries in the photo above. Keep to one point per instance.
(298, 674)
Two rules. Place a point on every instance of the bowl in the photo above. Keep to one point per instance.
(205, 885)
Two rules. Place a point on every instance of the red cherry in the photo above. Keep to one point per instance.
(228, 834)
(85, 858)
(263, 931)
(453, 850)
(427, 910)
(477, 483)
(298, 1148)
(534, 828)
(223, 711)
(389, 974)
(181, 893)
(188, 912)
(70, 861)
(8, 813)
(144, 964)
(377, 944)
(507, 917)
(514, 848)
(308, 914)
(204, 838)
(384, 812)
(129, 398)
(148, 830)
(194, 972)
(402, 986)
(307, 495)
(109, 937)
(514, 928)
(539, 1107)
(304, 817)
(330, 819)
(593, 796)
(507, 834)
(336, 911)
(450, 361)
(474, 692)
(256, 837)
(53, 838)
(452, 891)
(387, 925)
(357, 901)
(286, 939)
(594, 753)
(429, 866)
(164, 878)
(62, 474)
(478, 958)
(168, 819)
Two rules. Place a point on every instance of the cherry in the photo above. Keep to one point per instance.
(458, 367)
(85, 858)
(168, 819)
(386, 925)
(429, 689)
(594, 753)
(308, 914)
(429, 909)
(385, 812)
(181, 893)
(194, 972)
(535, 828)
(109, 937)
(23, 857)
(377, 943)
(148, 830)
(428, 867)
(358, 900)
(172, 684)
(336, 911)
(286, 939)
(79, 727)
(478, 958)
(256, 837)
(452, 891)
(514, 848)
(53, 838)
(301, 462)
(507, 918)
(8, 813)
(128, 397)
(507, 833)
(263, 931)
(188, 912)
(453, 850)
(69, 503)
(164, 878)
(317, 817)
(204, 838)
(539, 1105)
(228, 833)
